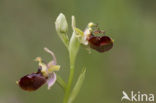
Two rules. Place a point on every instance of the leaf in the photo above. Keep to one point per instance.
(77, 86)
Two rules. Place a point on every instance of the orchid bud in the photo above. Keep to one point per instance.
(62, 28)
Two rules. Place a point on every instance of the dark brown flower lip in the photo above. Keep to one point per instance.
(32, 82)
(100, 43)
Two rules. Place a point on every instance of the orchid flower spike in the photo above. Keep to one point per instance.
(45, 74)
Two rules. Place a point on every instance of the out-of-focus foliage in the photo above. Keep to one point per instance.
(26, 26)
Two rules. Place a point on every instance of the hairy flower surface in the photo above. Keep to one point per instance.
(100, 43)
(45, 74)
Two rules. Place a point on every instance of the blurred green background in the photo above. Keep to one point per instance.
(27, 26)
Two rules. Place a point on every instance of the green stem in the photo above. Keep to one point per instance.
(73, 50)
(70, 79)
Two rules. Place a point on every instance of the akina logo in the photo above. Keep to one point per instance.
(137, 97)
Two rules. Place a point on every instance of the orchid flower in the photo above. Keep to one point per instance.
(45, 74)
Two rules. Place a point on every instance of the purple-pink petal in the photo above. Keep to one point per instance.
(51, 80)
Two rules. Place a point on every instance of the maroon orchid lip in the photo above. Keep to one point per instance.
(100, 43)
(32, 82)
(44, 75)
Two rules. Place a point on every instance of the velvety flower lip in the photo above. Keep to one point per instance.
(45, 74)
(32, 82)
(100, 43)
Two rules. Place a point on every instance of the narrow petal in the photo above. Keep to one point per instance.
(53, 62)
(51, 80)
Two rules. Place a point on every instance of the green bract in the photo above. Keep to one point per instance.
(74, 42)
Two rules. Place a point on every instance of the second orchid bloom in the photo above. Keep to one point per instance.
(95, 38)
